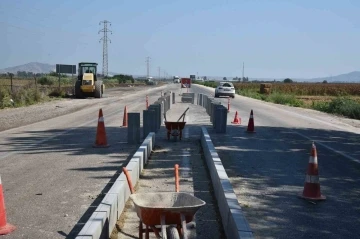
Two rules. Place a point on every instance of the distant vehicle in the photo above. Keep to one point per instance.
(150, 81)
(185, 83)
(225, 89)
(87, 83)
(176, 79)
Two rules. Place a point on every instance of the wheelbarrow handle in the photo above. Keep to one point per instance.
(183, 115)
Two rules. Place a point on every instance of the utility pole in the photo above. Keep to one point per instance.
(148, 66)
(105, 40)
(243, 72)
(159, 72)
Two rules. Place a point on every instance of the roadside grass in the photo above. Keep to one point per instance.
(340, 103)
(25, 92)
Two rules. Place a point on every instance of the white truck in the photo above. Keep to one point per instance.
(176, 79)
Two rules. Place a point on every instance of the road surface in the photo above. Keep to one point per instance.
(267, 169)
(52, 176)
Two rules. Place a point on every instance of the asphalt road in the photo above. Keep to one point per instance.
(267, 169)
(52, 176)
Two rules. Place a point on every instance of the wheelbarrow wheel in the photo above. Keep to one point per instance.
(172, 233)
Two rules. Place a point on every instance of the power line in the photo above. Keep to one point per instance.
(148, 66)
(105, 40)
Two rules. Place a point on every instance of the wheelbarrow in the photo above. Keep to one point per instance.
(175, 128)
(168, 212)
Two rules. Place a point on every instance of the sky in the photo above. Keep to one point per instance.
(274, 39)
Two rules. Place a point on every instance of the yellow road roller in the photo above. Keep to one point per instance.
(87, 84)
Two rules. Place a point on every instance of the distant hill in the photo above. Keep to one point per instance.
(37, 67)
(34, 67)
(352, 77)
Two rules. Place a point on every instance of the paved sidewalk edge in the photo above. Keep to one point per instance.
(234, 222)
(103, 220)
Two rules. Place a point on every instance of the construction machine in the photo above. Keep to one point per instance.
(87, 84)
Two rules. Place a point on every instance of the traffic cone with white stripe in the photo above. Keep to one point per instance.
(251, 127)
(5, 228)
(125, 119)
(312, 183)
(101, 141)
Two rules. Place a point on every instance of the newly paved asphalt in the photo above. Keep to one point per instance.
(267, 169)
(52, 176)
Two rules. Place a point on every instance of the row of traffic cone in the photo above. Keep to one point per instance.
(101, 139)
(312, 184)
(251, 126)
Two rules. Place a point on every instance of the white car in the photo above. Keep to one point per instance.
(225, 89)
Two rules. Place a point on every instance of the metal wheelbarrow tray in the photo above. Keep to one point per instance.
(150, 207)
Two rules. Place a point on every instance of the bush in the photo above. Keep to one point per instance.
(56, 92)
(341, 106)
(284, 99)
(45, 81)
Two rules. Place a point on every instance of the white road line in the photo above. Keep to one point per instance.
(330, 148)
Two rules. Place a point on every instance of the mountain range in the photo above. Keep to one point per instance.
(37, 67)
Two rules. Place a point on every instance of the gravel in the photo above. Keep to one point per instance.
(16, 117)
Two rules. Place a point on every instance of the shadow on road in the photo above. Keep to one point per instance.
(267, 170)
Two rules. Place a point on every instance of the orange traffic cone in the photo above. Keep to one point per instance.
(5, 228)
(251, 127)
(312, 185)
(237, 120)
(101, 141)
(125, 118)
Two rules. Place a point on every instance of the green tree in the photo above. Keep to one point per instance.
(288, 80)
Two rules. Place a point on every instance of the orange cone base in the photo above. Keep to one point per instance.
(101, 146)
(7, 229)
(236, 122)
(321, 198)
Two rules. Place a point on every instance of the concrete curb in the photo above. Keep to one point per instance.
(104, 218)
(233, 220)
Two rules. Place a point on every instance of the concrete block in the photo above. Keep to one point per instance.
(119, 189)
(133, 128)
(157, 108)
(186, 99)
(109, 206)
(95, 225)
(214, 106)
(200, 99)
(221, 120)
(152, 136)
(148, 122)
(126, 190)
(205, 99)
(146, 146)
(237, 225)
(234, 222)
